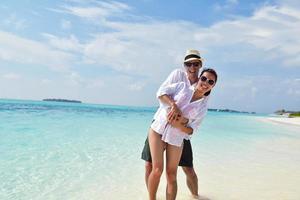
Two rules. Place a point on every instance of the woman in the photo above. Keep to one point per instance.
(167, 133)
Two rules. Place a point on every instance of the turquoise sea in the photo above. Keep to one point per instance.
(52, 150)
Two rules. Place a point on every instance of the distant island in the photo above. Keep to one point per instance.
(63, 100)
(287, 113)
(230, 111)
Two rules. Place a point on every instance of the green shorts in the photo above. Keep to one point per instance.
(186, 159)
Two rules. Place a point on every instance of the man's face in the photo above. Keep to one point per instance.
(192, 68)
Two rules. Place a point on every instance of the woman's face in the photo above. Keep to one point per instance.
(206, 82)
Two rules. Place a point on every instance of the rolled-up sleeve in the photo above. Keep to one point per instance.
(169, 89)
(174, 77)
(195, 124)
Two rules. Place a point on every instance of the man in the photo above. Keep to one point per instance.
(192, 64)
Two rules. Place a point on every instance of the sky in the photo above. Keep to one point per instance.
(119, 52)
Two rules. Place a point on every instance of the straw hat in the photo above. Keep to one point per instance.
(192, 54)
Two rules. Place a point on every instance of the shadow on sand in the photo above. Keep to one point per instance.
(202, 198)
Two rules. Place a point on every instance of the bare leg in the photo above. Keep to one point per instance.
(157, 152)
(191, 180)
(173, 158)
(148, 169)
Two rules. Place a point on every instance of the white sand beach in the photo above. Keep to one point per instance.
(285, 120)
(249, 172)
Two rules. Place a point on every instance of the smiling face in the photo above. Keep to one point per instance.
(192, 68)
(206, 82)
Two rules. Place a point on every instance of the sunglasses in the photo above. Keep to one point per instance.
(205, 79)
(190, 64)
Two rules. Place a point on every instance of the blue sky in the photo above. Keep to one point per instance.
(118, 52)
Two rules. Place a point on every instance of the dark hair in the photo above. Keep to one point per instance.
(212, 71)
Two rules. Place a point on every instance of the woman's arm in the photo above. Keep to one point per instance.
(181, 124)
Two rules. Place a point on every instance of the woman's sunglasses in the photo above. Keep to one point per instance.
(205, 79)
(189, 64)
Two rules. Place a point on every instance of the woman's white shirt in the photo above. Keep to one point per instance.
(195, 111)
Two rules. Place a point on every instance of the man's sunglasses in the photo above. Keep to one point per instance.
(205, 79)
(195, 64)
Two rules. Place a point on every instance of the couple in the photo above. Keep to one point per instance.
(183, 104)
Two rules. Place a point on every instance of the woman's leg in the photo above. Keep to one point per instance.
(157, 153)
(173, 158)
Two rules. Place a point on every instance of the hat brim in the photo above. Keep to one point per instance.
(192, 59)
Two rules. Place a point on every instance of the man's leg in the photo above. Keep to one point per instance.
(191, 180)
(173, 155)
(148, 169)
(146, 155)
(186, 162)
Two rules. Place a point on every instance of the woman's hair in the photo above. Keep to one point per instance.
(212, 71)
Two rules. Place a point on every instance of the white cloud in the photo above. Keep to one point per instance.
(294, 92)
(145, 49)
(21, 50)
(142, 48)
(74, 79)
(65, 24)
(228, 4)
(270, 34)
(151, 49)
(290, 3)
(98, 11)
(91, 12)
(293, 88)
(15, 22)
(252, 93)
(66, 44)
(11, 76)
(95, 84)
(136, 86)
(46, 81)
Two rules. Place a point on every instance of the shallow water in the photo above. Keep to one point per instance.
(55, 150)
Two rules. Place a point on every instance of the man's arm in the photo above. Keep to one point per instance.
(174, 112)
(173, 78)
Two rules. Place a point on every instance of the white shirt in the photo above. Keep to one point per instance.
(195, 111)
(176, 76)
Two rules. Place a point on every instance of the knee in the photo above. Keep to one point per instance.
(189, 172)
(148, 167)
(171, 175)
(157, 171)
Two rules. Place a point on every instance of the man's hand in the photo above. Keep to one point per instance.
(174, 113)
(179, 122)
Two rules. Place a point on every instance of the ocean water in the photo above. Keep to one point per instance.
(52, 150)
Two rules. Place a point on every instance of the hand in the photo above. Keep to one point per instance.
(176, 123)
(179, 122)
(174, 113)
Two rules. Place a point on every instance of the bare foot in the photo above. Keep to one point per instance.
(200, 197)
